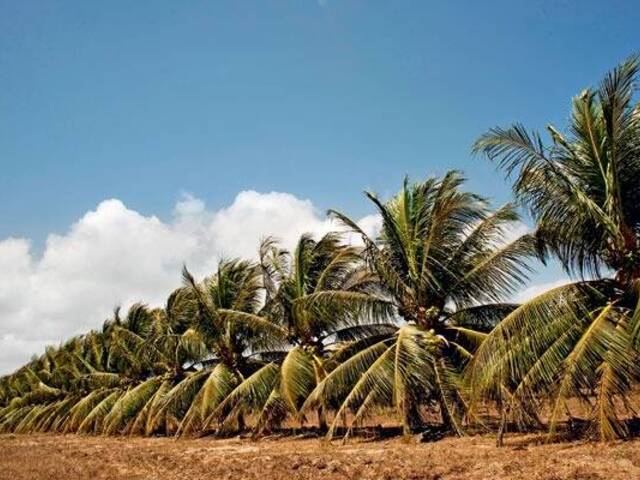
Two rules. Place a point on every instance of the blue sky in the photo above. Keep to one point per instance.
(144, 100)
(135, 136)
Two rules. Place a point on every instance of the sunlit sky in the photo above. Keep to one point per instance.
(130, 129)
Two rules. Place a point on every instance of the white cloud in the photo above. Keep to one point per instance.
(515, 231)
(114, 255)
(537, 289)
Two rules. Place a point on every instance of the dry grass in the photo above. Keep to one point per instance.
(70, 457)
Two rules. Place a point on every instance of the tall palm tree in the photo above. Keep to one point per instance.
(321, 297)
(442, 263)
(581, 187)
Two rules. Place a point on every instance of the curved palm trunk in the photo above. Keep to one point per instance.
(406, 418)
(241, 424)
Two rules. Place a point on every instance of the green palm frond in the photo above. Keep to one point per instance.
(94, 422)
(342, 307)
(266, 334)
(378, 378)
(57, 415)
(254, 394)
(603, 357)
(177, 401)
(510, 351)
(130, 404)
(298, 376)
(337, 384)
(12, 419)
(146, 421)
(83, 408)
(219, 384)
(560, 345)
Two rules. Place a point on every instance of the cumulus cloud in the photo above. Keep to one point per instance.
(114, 255)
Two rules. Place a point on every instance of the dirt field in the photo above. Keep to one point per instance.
(56, 457)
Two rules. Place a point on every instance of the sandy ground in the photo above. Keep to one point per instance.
(54, 457)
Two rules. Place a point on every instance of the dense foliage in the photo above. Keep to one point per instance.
(417, 320)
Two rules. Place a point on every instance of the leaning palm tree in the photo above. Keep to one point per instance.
(324, 301)
(40, 389)
(168, 350)
(129, 376)
(107, 391)
(105, 382)
(443, 264)
(226, 321)
(46, 391)
(579, 340)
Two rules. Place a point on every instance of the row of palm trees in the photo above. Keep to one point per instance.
(416, 321)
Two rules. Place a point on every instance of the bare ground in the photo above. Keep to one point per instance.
(70, 457)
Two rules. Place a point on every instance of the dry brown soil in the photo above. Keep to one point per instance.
(69, 457)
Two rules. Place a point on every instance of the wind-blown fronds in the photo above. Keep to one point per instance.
(177, 401)
(94, 422)
(146, 422)
(218, 385)
(320, 295)
(341, 380)
(439, 259)
(257, 394)
(130, 404)
(300, 371)
(83, 408)
(581, 189)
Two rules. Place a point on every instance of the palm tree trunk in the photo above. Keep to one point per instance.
(241, 422)
(406, 418)
(322, 420)
(504, 413)
(444, 414)
(410, 416)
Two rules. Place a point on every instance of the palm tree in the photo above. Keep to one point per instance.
(442, 263)
(324, 301)
(144, 373)
(167, 351)
(118, 376)
(39, 391)
(130, 378)
(45, 391)
(578, 340)
(108, 381)
(226, 321)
